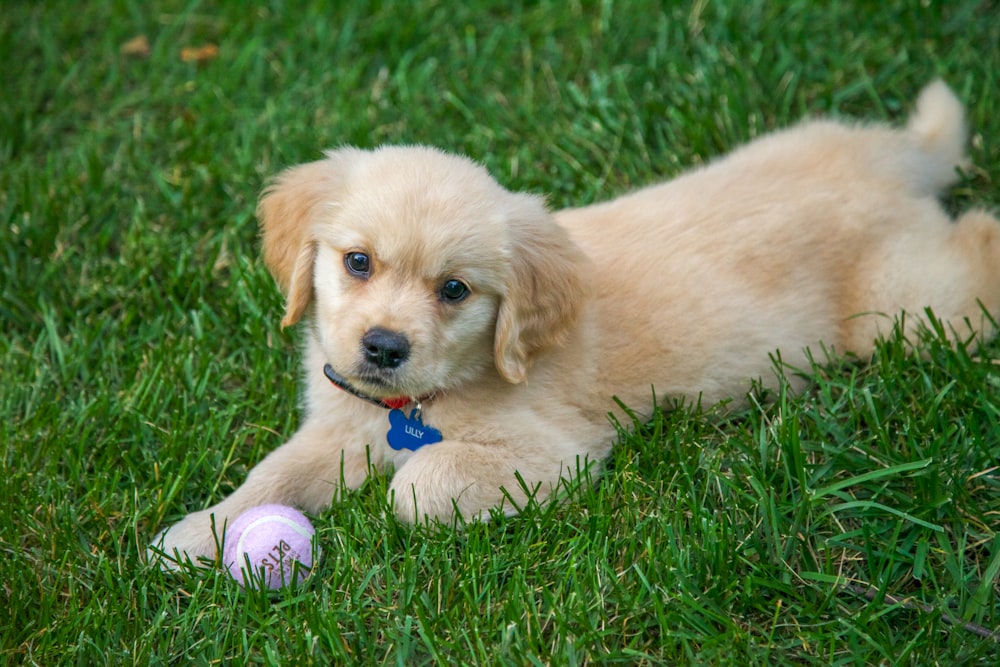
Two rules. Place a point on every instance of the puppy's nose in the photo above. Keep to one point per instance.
(384, 348)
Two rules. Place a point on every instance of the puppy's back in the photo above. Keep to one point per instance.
(775, 246)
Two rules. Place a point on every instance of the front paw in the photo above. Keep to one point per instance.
(442, 480)
(196, 537)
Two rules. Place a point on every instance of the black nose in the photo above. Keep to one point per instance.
(384, 348)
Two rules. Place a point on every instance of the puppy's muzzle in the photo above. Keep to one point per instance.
(385, 349)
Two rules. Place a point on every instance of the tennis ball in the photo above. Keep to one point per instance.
(277, 540)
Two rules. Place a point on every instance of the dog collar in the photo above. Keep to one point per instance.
(341, 382)
(405, 431)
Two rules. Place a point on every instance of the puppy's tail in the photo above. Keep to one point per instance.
(937, 129)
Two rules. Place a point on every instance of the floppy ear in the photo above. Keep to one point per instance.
(544, 293)
(288, 209)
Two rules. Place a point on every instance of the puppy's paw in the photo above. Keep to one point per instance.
(196, 537)
(442, 480)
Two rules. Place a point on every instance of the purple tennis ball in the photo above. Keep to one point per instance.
(276, 539)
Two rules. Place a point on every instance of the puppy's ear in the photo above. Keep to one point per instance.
(545, 291)
(297, 200)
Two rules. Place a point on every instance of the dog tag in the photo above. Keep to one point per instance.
(410, 432)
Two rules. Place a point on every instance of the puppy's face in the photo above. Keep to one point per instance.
(418, 271)
(408, 283)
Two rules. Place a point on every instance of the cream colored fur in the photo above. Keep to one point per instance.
(823, 233)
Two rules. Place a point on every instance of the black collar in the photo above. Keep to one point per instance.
(342, 383)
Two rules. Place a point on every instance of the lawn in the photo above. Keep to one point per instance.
(144, 370)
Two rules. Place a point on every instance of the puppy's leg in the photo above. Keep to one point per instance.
(958, 274)
(471, 478)
(975, 242)
(951, 267)
(303, 472)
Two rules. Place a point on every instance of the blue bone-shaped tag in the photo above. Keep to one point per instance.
(410, 432)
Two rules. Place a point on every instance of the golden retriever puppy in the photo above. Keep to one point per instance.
(471, 341)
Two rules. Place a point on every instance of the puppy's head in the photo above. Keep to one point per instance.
(417, 270)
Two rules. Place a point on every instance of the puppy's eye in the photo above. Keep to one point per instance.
(358, 264)
(454, 291)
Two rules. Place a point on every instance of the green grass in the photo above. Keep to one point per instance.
(144, 372)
